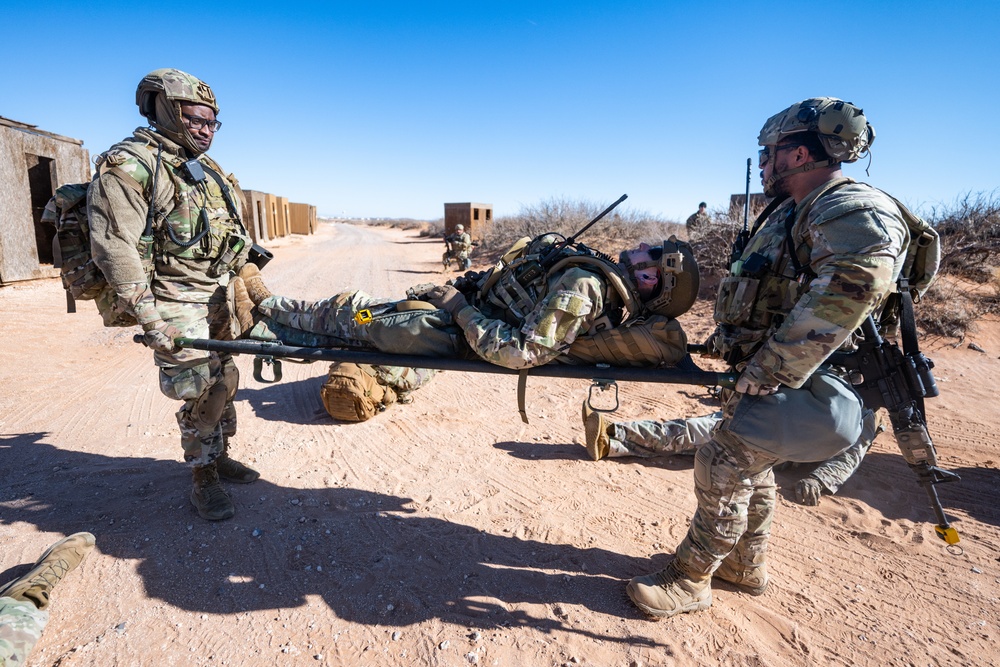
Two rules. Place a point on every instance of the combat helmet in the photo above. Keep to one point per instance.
(160, 95)
(679, 279)
(840, 126)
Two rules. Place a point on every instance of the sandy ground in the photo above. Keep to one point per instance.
(447, 532)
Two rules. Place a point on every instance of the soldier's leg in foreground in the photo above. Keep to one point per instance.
(24, 601)
(667, 438)
(645, 438)
(726, 479)
(21, 625)
(830, 475)
(746, 565)
(199, 379)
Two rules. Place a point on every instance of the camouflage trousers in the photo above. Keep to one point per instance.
(206, 382)
(21, 625)
(734, 486)
(647, 438)
(334, 322)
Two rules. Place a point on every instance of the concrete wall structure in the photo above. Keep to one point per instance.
(302, 218)
(33, 163)
(256, 215)
(284, 216)
(477, 218)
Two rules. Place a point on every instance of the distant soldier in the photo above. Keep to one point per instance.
(24, 602)
(459, 245)
(698, 222)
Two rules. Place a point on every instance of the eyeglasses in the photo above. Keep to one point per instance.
(196, 123)
(764, 154)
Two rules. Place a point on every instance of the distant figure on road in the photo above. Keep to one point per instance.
(697, 222)
(24, 602)
(459, 245)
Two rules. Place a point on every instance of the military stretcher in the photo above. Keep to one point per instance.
(602, 376)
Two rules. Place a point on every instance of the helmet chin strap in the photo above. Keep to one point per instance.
(169, 121)
(808, 166)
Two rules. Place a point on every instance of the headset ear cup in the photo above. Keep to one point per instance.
(147, 105)
(686, 283)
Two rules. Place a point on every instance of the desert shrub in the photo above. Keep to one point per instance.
(968, 285)
(620, 229)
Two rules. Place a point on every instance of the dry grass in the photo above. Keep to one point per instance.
(621, 229)
(968, 285)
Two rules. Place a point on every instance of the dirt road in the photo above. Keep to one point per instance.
(446, 532)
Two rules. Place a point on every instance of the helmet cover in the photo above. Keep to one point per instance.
(159, 97)
(842, 127)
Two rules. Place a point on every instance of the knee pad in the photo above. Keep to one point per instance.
(231, 378)
(207, 408)
(703, 460)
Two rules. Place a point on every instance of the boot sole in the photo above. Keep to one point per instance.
(240, 480)
(697, 605)
(743, 588)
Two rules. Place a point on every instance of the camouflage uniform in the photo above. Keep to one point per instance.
(697, 223)
(183, 283)
(782, 322)
(572, 302)
(459, 247)
(21, 625)
(648, 438)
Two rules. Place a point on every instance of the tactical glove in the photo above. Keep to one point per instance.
(756, 382)
(447, 298)
(141, 303)
(808, 491)
(160, 336)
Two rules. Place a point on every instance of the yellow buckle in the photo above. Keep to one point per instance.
(363, 316)
(949, 534)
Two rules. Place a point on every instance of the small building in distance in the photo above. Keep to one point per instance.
(33, 163)
(476, 218)
(302, 218)
(256, 215)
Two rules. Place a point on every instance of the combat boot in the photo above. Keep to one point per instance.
(670, 592)
(232, 470)
(208, 496)
(243, 306)
(750, 579)
(599, 444)
(62, 557)
(254, 283)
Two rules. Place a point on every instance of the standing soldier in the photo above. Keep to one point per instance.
(170, 264)
(459, 246)
(697, 222)
(826, 258)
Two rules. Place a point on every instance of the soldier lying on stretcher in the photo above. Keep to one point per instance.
(540, 303)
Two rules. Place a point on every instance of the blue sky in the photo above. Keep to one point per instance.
(390, 109)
